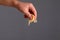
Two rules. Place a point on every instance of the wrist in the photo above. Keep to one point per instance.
(15, 3)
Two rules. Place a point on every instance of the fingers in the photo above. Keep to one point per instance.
(30, 11)
(32, 8)
(28, 15)
(25, 16)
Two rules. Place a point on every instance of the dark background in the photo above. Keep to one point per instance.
(13, 26)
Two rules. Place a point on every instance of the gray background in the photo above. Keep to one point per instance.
(13, 26)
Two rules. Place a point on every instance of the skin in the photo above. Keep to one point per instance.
(25, 7)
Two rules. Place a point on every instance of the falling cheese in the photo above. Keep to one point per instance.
(33, 20)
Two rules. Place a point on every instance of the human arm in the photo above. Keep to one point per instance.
(24, 7)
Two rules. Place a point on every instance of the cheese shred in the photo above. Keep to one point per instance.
(32, 21)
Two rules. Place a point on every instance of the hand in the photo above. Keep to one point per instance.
(27, 9)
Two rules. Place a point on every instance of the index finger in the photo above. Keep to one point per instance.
(33, 10)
